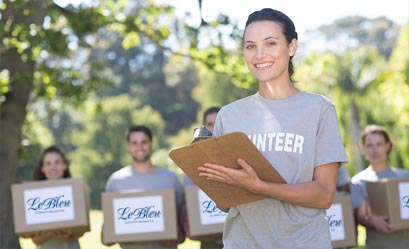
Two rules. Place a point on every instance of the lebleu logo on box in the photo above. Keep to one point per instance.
(336, 222)
(209, 212)
(404, 198)
(51, 204)
(138, 214)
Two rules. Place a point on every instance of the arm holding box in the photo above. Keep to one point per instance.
(39, 237)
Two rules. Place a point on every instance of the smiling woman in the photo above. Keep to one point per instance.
(296, 131)
(376, 145)
(53, 165)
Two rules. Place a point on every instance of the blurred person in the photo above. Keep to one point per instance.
(209, 119)
(296, 131)
(214, 241)
(54, 165)
(142, 174)
(376, 144)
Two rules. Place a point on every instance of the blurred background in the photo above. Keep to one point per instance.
(78, 73)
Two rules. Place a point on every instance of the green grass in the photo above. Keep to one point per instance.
(92, 239)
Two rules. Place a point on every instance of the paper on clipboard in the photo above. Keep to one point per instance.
(224, 150)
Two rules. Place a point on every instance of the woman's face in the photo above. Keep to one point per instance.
(266, 50)
(53, 166)
(375, 148)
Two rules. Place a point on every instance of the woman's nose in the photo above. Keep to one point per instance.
(260, 52)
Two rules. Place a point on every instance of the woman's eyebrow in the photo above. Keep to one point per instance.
(267, 38)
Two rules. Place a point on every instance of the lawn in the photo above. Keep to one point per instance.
(92, 239)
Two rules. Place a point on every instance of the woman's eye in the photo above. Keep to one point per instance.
(271, 43)
(249, 46)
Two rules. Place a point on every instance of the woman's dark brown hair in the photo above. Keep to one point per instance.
(283, 20)
(38, 175)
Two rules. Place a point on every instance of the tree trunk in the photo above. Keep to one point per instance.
(355, 135)
(13, 111)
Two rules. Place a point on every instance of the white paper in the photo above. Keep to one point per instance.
(335, 220)
(138, 214)
(50, 204)
(209, 212)
(404, 200)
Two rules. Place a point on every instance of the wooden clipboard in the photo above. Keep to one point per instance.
(224, 150)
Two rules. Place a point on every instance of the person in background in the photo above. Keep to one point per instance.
(344, 180)
(54, 165)
(209, 119)
(296, 131)
(214, 241)
(144, 175)
(376, 145)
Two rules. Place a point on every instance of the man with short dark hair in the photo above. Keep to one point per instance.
(142, 174)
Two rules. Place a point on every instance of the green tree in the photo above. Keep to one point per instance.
(36, 49)
(347, 77)
(355, 31)
(22, 69)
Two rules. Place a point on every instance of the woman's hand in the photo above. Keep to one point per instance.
(39, 237)
(244, 177)
(317, 193)
(366, 218)
(380, 223)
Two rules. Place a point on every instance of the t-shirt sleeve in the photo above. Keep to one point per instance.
(329, 146)
(109, 185)
(358, 193)
(343, 176)
(179, 191)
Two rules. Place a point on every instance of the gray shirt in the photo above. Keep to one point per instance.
(295, 134)
(359, 194)
(159, 178)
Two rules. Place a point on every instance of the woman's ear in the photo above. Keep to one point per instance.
(292, 47)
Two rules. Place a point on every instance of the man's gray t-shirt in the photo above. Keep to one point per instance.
(159, 178)
(359, 194)
(295, 134)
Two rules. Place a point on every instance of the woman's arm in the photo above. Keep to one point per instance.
(318, 193)
(367, 219)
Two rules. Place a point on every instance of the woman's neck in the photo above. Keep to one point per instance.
(379, 167)
(277, 91)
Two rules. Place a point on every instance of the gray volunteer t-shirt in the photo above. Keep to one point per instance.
(374, 239)
(295, 134)
(159, 178)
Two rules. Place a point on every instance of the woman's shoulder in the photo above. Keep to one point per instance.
(239, 102)
(400, 172)
(316, 97)
(363, 175)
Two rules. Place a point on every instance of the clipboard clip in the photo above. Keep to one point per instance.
(201, 133)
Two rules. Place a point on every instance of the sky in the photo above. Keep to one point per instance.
(306, 14)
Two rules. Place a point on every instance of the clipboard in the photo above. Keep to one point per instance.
(224, 150)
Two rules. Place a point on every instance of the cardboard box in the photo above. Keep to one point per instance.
(390, 198)
(50, 205)
(224, 150)
(340, 217)
(204, 216)
(139, 216)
